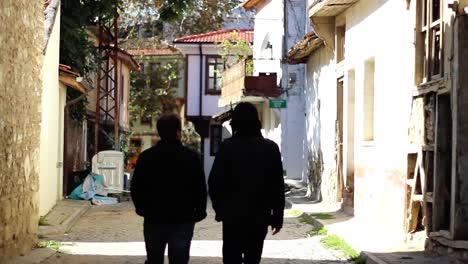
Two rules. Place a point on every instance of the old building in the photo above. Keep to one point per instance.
(203, 67)
(278, 26)
(386, 103)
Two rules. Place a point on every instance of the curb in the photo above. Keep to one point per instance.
(44, 231)
(35, 256)
(372, 259)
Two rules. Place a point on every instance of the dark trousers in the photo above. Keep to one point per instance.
(178, 237)
(243, 242)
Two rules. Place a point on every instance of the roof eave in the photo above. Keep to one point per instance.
(300, 52)
(251, 4)
(70, 81)
(329, 8)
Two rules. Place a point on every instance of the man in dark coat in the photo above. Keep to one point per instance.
(246, 187)
(169, 190)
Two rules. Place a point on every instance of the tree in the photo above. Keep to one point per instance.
(181, 17)
(152, 88)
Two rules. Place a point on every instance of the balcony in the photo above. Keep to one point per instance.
(238, 86)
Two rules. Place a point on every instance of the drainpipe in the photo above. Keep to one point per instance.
(200, 103)
(65, 147)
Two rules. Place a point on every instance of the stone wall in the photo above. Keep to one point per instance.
(20, 94)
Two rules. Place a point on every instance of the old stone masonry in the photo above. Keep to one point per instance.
(113, 234)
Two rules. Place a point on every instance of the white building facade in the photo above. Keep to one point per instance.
(278, 26)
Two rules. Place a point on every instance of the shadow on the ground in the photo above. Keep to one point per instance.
(76, 259)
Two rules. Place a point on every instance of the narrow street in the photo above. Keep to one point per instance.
(113, 234)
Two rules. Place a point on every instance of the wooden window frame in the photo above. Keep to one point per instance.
(208, 90)
(429, 33)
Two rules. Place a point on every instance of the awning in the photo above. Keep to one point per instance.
(302, 49)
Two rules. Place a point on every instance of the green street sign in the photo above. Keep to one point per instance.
(278, 103)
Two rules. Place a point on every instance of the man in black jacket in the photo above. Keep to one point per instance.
(169, 190)
(246, 187)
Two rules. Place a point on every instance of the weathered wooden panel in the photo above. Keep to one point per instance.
(461, 195)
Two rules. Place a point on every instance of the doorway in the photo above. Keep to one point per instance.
(348, 141)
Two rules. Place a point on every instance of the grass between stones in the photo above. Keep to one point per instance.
(292, 213)
(43, 221)
(337, 243)
(52, 245)
(318, 231)
(322, 216)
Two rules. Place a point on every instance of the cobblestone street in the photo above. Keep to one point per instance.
(113, 234)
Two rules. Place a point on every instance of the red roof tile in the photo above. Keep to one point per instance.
(217, 36)
(165, 51)
(67, 69)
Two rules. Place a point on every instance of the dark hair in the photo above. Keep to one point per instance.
(168, 125)
(245, 120)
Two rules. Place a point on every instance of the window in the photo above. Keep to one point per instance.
(340, 43)
(214, 68)
(369, 100)
(216, 138)
(429, 46)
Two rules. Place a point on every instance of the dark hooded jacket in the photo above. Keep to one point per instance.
(168, 184)
(246, 180)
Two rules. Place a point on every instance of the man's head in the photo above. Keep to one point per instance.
(169, 126)
(245, 119)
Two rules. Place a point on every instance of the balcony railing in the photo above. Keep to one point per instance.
(237, 85)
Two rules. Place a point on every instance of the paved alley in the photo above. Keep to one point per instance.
(113, 234)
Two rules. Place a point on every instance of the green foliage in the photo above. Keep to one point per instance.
(305, 218)
(52, 245)
(337, 243)
(318, 231)
(234, 50)
(322, 216)
(76, 46)
(184, 17)
(203, 16)
(292, 213)
(43, 221)
(153, 89)
(78, 110)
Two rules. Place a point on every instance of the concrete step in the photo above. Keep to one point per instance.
(63, 216)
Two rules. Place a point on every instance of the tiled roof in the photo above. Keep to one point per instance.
(67, 69)
(164, 51)
(217, 36)
(300, 52)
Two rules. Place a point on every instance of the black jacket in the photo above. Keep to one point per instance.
(246, 181)
(168, 184)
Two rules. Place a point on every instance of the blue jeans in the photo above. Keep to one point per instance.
(178, 237)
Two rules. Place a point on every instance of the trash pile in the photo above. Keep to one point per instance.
(93, 189)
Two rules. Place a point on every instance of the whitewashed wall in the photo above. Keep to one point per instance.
(209, 102)
(381, 165)
(51, 125)
(272, 27)
(320, 105)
